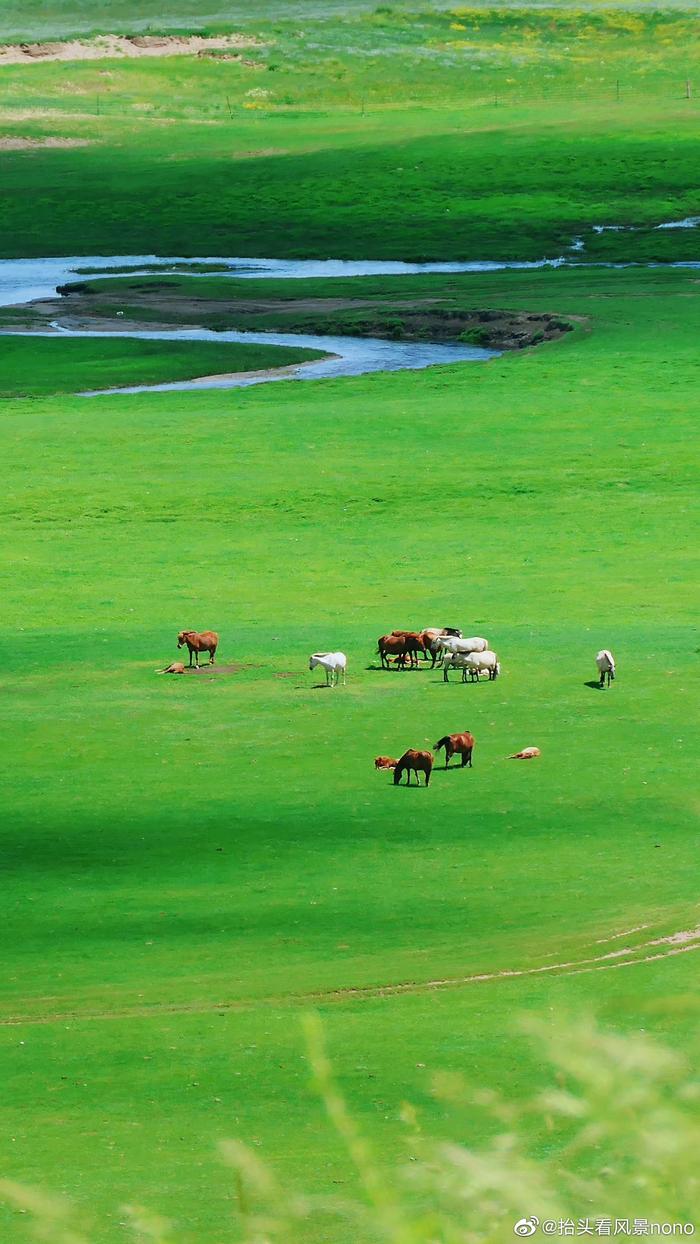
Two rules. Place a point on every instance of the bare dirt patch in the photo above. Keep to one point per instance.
(261, 154)
(11, 143)
(219, 671)
(399, 319)
(120, 46)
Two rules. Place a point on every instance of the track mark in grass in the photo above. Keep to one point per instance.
(678, 943)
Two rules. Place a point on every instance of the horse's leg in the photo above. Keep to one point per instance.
(212, 654)
(191, 655)
(427, 777)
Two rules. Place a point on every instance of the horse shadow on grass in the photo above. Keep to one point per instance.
(594, 685)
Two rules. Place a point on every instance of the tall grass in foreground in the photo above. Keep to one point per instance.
(614, 1136)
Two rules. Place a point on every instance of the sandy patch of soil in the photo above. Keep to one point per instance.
(261, 153)
(31, 144)
(122, 46)
(217, 671)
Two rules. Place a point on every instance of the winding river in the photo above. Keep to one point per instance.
(23, 281)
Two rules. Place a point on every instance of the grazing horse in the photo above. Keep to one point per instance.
(414, 762)
(204, 641)
(462, 744)
(407, 644)
(605, 662)
(385, 762)
(333, 663)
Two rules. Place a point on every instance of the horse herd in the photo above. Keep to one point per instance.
(415, 761)
(445, 645)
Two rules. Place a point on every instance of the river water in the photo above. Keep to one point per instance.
(25, 280)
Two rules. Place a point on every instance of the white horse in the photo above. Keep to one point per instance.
(445, 644)
(605, 662)
(334, 664)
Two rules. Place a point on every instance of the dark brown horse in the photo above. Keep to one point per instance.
(206, 641)
(403, 644)
(457, 744)
(416, 762)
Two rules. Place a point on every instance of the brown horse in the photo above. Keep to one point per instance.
(406, 644)
(385, 762)
(206, 641)
(416, 762)
(176, 668)
(457, 744)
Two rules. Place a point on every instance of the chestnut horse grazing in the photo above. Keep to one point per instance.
(457, 744)
(206, 641)
(385, 762)
(414, 762)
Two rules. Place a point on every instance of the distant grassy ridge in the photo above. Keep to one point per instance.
(518, 194)
(395, 134)
(40, 366)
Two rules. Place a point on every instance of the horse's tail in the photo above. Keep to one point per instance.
(441, 743)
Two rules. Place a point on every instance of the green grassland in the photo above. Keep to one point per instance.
(191, 863)
(39, 366)
(388, 134)
(177, 849)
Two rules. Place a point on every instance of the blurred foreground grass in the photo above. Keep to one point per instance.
(608, 1147)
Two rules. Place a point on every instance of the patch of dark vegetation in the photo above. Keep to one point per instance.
(398, 319)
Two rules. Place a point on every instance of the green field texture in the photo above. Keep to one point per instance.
(455, 133)
(41, 366)
(192, 862)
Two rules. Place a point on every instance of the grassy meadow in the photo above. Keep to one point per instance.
(192, 863)
(191, 860)
(420, 133)
(43, 366)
